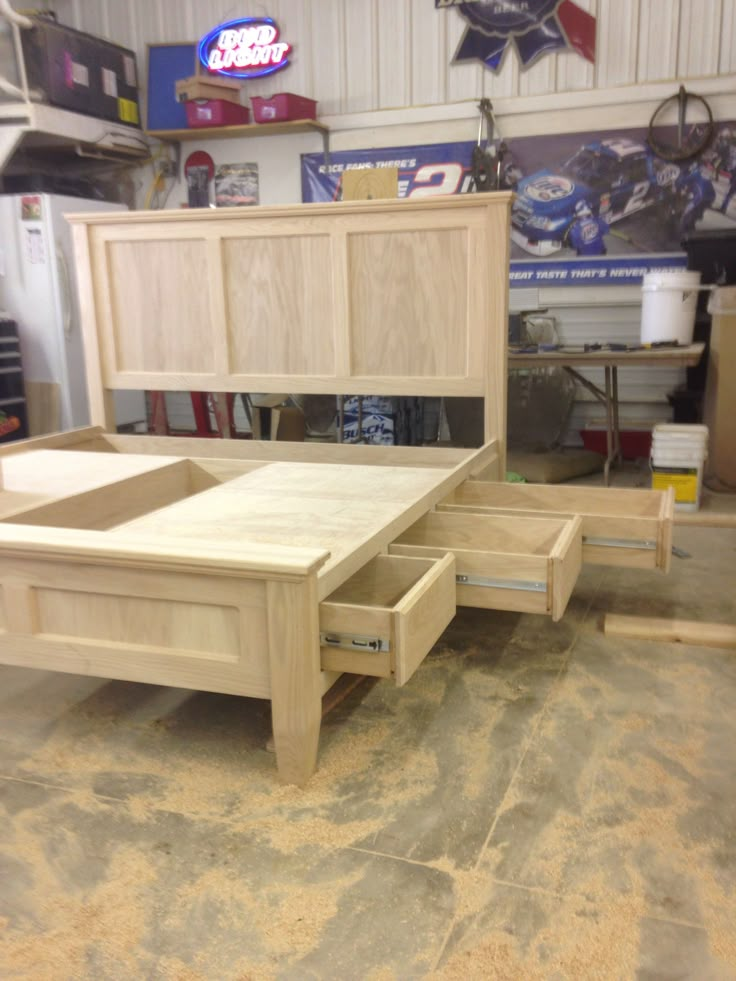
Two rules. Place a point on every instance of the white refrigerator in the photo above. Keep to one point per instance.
(38, 291)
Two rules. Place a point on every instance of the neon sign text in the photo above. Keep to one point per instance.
(245, 48)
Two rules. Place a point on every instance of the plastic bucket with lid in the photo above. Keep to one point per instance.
(668, 306)
(677, 460)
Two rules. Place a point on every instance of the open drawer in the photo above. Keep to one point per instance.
(528, 565)
(620, 527)
(384, 620)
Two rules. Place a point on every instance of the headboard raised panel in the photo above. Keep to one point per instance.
(378, 297)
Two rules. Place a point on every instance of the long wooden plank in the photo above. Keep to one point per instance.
(289, 211)
(670, 631)
(685, 357)
(275, 451)
(706, 519)
(156, 551)
(56, 441)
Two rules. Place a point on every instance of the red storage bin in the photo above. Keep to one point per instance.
(215, 112)
(635, 442)
(284, 107)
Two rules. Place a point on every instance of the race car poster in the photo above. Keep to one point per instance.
(590, 207)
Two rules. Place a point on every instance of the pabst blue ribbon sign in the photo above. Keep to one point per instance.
(533, 27)
(246, 48)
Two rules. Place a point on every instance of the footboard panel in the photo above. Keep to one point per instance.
(192, 631)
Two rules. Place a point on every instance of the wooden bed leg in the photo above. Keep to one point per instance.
(296, 694)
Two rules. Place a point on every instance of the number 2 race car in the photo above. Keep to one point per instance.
(607, 180)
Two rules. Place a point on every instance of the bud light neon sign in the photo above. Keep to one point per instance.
(245, 48)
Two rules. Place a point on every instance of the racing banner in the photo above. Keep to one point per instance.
(590, 207)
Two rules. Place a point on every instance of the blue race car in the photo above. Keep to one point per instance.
(606, 180)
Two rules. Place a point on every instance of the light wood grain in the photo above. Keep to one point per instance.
(422, 615)
(249, 560)
(349, 510)
(101, 407)
(43, 401)
(406, 602)
(189, 628)
(685, 357)
(160, 307)
(77, 438)
(407, 317)
(566, 558)
(276, 452)
(384, 297)
(625, 517)
(511, 550)
(279, 302)
(193, 630)
(706, 519)
(370, 185)
(671, 631)
(296, 692)
(44, 476)
(126, 499)
(352, 511)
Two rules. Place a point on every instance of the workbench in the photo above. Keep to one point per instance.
(266, 569)
(610, 361)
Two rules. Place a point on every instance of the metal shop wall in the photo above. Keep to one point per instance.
(381, 72)
(357, 56)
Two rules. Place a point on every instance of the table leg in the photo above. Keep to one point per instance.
(616, 430)
(222, 414)
(296, 691)
(609, 428)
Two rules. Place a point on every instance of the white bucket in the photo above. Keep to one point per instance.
(668, 306)
(677, 460)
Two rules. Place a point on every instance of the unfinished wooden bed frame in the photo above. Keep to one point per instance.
(266, 569)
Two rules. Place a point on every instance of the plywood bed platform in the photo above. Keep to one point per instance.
(266, 569)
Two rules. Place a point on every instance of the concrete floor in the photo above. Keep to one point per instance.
(539, 802)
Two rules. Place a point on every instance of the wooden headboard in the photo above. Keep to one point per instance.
(375, 297)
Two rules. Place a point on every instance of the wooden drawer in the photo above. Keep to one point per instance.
(620, 527)
(384, 620)
(528, 565)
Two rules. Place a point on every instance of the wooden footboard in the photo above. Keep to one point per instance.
(162, 613)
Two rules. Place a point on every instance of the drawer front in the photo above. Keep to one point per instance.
(525, 565)
(620, 526)
(386, 618)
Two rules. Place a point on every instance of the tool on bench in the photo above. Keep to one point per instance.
(594, 348)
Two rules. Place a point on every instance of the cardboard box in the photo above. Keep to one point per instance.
(282, 422)
(207, 87)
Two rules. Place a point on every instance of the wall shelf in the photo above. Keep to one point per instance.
(249, 129)
(39, 129)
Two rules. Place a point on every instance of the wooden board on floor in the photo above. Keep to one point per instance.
(671, 631)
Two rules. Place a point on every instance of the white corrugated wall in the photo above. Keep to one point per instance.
(382, 74)
(358, 56)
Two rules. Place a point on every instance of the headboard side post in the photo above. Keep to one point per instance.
(496, 332)
(101, 405)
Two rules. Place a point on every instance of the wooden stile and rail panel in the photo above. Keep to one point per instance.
(264, 569)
